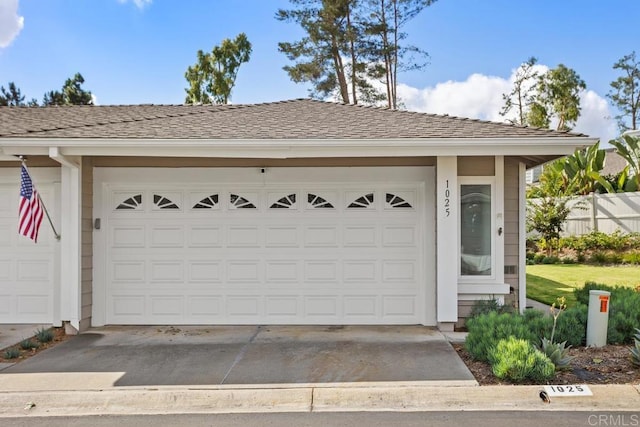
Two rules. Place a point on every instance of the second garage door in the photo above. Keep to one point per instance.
(256, 246)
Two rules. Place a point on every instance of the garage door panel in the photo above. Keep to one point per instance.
(204, 236)
(26, 268)
(360, 271)
(277, 253)
(243, 236)
(129, 236)
(282, 272)
(282, 237)
(321, 236)
(166, 271)
(5, 270)
(205, 272)
(166, 236)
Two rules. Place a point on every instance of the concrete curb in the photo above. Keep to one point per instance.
(309, 398)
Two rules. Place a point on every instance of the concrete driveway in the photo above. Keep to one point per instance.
(218, 355)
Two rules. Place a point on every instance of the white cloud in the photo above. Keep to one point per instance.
(140, 4)
(480, 97)
(10, 23)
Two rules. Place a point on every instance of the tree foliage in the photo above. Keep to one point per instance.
(558, 96)
(629, 148)
(349, 44)
(11, 97)
(625, 91)
(212, 78)
(71, 93)
(521, 96)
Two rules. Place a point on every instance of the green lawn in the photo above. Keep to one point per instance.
(545, 283)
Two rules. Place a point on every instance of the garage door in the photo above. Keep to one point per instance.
(26, 268)
(346, 247)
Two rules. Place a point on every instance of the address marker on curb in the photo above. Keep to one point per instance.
(568, 390)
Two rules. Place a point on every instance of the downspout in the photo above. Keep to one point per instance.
(70, 242)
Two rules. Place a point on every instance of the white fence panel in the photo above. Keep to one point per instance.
(604, 212)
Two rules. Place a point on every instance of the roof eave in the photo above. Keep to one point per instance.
(296, 148)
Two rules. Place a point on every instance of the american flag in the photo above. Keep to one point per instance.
(31, 212)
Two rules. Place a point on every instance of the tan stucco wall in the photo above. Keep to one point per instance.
(86, 274)
(476, 166)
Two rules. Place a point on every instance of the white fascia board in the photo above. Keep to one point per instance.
(298, 148)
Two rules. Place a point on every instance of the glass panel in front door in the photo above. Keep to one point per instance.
(475, 230)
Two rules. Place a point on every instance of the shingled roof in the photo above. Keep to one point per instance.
(295, 119)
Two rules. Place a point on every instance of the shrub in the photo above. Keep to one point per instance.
(44, 335)
(486, 330)
(572, 326)
(624, 310)
(28, 344)
(613, 258)
(11, 353)
(582, 294)
(568, 260)
(484, 306)
(631, 257)
(539, 324)
(538, 258)
(624, 315)
(598, 258)
(551, 260)
(517, 360)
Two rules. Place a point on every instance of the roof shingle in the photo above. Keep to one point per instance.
(295, 119)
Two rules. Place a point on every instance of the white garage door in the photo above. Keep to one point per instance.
(346, 247)
(27, 269)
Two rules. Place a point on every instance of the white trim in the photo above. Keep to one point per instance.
(70, 242)
(447, 259)
(522, 238)
(498, 229)
(270, 148)
(494, 277)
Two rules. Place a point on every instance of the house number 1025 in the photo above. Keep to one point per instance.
(447, 200)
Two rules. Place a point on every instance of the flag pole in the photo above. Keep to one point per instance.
(46, 211)
(44, 207)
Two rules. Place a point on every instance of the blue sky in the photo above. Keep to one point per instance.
(136, 51)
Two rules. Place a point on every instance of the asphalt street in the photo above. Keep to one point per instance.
(350, 419)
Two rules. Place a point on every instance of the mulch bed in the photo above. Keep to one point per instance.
(58, 337)
(605, 365)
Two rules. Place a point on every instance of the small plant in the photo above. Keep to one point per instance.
(568, 260)
(552, 259)
(44, 335)
(517, 360)
(12, 353)
(635, 351)
(28, 344)
(556, 311)
(558, 353)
